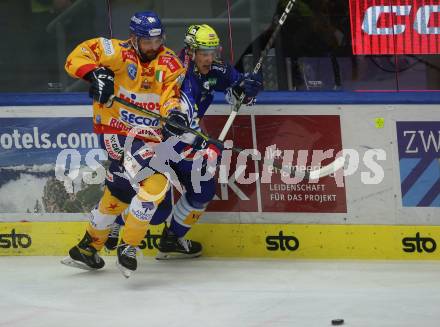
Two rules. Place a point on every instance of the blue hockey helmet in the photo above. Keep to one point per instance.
(146, 24)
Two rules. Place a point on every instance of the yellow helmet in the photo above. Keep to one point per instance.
(201, 37)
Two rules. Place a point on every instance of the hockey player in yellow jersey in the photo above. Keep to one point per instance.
(143, 71)
(149, 78)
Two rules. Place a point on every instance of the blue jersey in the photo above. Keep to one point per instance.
(197, 90)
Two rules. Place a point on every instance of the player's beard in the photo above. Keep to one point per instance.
(145, 56)
(149, 55)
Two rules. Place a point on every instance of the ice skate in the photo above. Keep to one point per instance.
(113, 237)
(126, 260)
(84, 256)
(173, 247)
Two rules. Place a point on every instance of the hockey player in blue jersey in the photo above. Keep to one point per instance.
(206, 73)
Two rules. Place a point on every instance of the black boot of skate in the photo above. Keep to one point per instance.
(126, 260)
(113, 237)
(173, 247)
(84, 256)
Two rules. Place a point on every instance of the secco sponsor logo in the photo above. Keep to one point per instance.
(282, 242)
(15, 241)
(419, 244)
(134, 119)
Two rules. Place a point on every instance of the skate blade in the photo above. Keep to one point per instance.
(68, 261)
(125, 272)
(176, 256)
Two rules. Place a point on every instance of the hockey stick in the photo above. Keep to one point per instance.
(293, 171)
(162, 119)
(237, 105)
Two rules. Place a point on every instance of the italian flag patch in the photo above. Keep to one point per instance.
(160, 76)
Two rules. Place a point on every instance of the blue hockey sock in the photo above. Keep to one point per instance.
(185, 215)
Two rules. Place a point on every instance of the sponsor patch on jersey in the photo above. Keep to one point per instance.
(108, 46)
(173, 65)
(170, 62)
(212, 81)
(128, 55)
(163, 60)
(148, 100)
(140, 215)
(132, 71)
(113, 147)
(134, 119)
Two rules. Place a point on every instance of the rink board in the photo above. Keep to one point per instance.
(247, 240)
(348, 216)
(401, 140)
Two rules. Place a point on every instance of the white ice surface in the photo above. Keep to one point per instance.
(39, 291)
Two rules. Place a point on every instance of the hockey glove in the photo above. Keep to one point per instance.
(210, 150)
(246, 89)
(102, 84)
(175, 118)
(207, 149)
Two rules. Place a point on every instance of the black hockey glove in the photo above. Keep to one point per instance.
(246, 89)
(102, 84)
(178, 118)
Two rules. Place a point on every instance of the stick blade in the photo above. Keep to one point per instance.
(327, 170)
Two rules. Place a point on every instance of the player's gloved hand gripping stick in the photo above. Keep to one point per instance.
(292, 171)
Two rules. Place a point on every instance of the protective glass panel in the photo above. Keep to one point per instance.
(322, 46)
(38, 35)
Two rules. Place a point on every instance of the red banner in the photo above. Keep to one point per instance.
(311, 134)
(387, 27)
